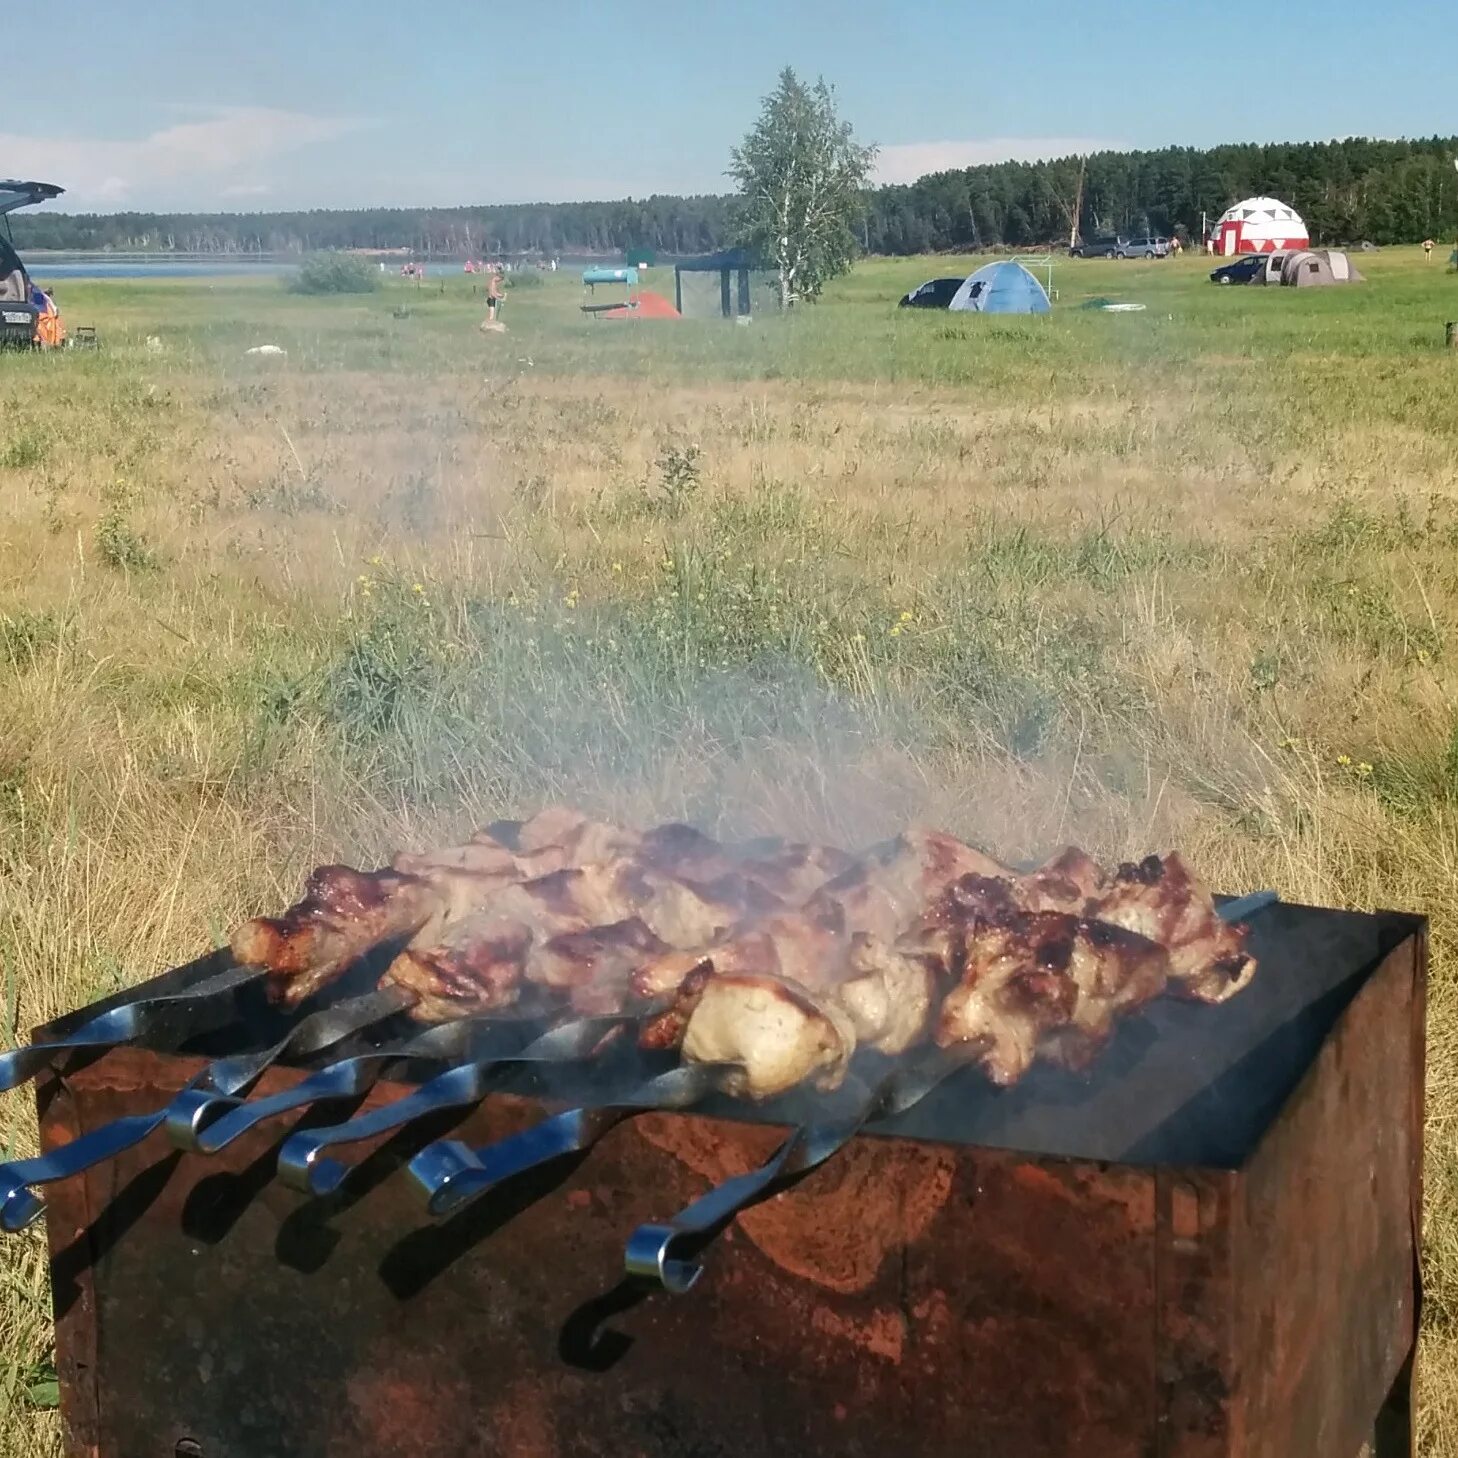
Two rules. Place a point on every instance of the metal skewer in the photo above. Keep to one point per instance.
(160, 1022)
(20, 1205)
(194, 1109)
(446, 1043)
(451, 1174)
(300, 1161)
(1243, 907)
(670, 1253)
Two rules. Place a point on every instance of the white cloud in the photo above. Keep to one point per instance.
(200, 155)
(907, 161)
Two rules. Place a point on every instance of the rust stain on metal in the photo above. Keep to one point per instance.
(882, 1333)
(838, 1227)
(521, 1421)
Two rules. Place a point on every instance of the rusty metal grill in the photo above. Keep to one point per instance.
(1205, 1247)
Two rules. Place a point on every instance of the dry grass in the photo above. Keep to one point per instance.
(1183, 577)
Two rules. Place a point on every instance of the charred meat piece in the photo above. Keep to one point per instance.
(580, 933)
(1045, 983)
(459, 979)
(343, 915)
(1162, 899)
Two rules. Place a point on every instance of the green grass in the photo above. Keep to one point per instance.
(1184, 576)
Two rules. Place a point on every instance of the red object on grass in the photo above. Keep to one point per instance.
(648, 305)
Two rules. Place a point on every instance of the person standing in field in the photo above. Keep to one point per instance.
(494, 295)
(1428, 250)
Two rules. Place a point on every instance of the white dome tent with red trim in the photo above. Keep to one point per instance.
(1259, 225)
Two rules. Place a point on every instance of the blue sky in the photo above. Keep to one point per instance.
(293, 103)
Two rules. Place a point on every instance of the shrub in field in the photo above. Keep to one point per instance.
(679, 474)
(27, 447)
(25, 635)
(335, 273)
(121, 545)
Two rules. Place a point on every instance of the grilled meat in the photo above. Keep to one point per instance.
(343, 915)
(579, 932)
(1045, 982)
(1162, 899)
(783, 958)
(779, 1034)
(884, 892)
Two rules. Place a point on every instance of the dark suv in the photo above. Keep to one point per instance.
(1116, 245)
(18, 309)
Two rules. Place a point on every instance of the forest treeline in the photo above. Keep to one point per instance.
(1347, 191)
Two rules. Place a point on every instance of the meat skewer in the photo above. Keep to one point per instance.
(303, 1165)
(451, 1175)
(671, 1253)
(20, 1205)
(216, 1121)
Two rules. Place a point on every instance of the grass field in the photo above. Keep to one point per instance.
(1180, 577)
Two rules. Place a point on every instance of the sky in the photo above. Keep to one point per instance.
(197, 106)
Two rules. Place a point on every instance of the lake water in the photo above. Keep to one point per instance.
(43, 270)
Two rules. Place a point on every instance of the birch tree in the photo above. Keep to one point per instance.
(802, 178)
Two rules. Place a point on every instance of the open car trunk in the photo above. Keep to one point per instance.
(18, 312)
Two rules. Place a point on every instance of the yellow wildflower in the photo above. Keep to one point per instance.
(417, 587)
(1344, 760)
(896, 631)
(1363, 768)
(906, 617)
(617, 566)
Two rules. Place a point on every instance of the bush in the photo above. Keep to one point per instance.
(335, 273)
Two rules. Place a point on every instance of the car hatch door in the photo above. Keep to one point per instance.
(14, 194)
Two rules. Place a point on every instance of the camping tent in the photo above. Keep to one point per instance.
(1305, 269)
(1001, 288)
(1343, 270)
(1258, 225)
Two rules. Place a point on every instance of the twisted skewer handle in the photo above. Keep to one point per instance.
(303, 1165)
(451, 1175)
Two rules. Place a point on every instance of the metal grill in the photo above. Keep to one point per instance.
(354, 1241)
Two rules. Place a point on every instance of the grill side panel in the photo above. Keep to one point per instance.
(1326, 1235)
(915, 1296)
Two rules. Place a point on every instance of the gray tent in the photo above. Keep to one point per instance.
(1343, 270)
(1308, 269)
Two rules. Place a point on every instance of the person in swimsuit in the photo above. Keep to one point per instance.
(494, 295)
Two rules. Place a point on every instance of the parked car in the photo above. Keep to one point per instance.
(1242, 271)
(1117, 245)
(1150, 246)
(935, 293)
(27, 316)
(1113, 246)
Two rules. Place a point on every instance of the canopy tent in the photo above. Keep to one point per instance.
(1001, 288)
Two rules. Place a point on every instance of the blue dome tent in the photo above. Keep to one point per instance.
(1001, 288)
